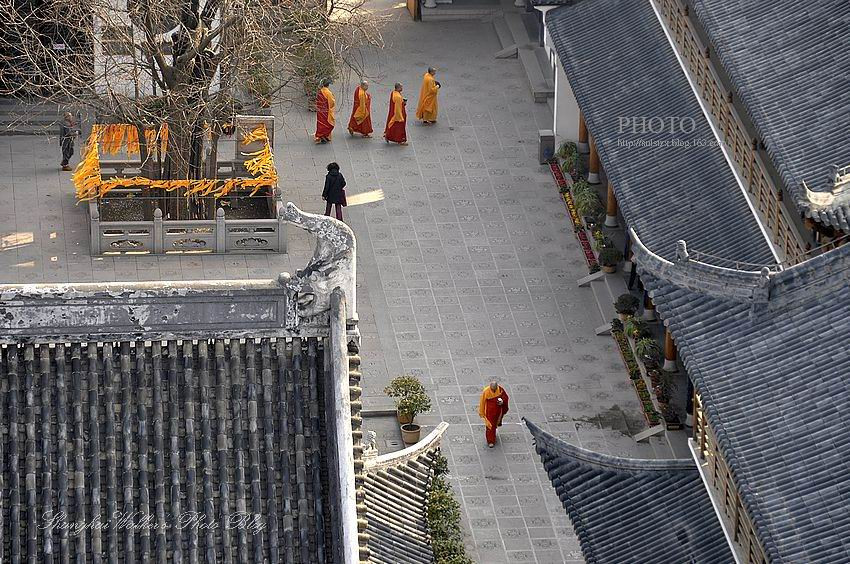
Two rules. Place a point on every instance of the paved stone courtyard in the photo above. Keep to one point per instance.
(467, 271)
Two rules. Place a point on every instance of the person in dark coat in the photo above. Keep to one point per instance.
(68, 131)
(334, 193)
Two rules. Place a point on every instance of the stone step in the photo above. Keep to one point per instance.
(616, 285)
(517, 29)
(604, 303)
(546, 68)
(452, 12)
(536, 80)
(503, 33)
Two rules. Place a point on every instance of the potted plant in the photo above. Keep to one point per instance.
(401, 387)
(626, 305)
(413, 404)
(589, 203)
(648, 350)
(609, 258)
(581, 186)
(635, 328)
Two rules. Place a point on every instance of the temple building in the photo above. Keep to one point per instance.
(200, 421)
(719, 133)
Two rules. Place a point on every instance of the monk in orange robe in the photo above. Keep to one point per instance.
(361, 113)
(397, 118)
(426, 111)
(325, 107)
(492, 407)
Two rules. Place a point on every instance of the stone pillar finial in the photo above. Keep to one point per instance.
(682, 251)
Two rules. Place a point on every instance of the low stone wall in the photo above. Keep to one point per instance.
(219, 235)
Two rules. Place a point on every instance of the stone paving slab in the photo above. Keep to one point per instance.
(467, 271)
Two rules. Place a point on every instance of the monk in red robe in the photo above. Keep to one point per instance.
(492, 407)
(361, 113)
(325, 108)
(397, 118)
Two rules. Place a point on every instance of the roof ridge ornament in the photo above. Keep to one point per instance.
(838, 181)
(332, 266)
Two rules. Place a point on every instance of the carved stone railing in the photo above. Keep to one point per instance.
(741, 148)
(219, 235)
(430, 442)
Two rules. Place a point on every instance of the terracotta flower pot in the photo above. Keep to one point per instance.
(609, 269)
(404, 418)
(410, 433)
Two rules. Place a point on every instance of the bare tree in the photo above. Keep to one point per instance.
(190, 64)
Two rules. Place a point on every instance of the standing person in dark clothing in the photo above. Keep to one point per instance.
(68, 131)
(334, 193)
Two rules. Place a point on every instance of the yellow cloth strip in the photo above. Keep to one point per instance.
(90, 185)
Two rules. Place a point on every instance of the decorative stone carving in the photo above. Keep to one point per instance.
(332, 265)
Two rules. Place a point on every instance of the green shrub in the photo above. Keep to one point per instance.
(626, 304)
(636, 328)
(647, 347)
(581, 186)
(611, 257)
(403, 385)
(444, 519)
(588, 203)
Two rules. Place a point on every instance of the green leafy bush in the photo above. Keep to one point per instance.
(611, 257)
(444, 519)
(588, 203)
(647, 347)
(409, 394)
(626, 304)
(636, 328)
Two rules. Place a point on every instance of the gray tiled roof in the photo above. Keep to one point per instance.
(620, 64)
(221, 428)
(787, 62)
(396, 510)
(628, 510)
(772, 367)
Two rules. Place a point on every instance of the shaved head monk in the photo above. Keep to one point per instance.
(325, 110)
(492, 407)
(361, 112)
(396, 130)
(426, 111)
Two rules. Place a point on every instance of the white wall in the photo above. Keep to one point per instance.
(566, 107)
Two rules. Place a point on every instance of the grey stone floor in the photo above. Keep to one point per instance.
(466, 269)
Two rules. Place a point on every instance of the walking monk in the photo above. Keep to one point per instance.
(325, 106)
(397, 118)
(492, 407)
(426, 111)
(361, 113)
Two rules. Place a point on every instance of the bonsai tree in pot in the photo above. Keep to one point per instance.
(413, 404)
(626, 305)
(400, 388)
(609, 258)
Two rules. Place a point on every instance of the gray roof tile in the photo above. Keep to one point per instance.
(787, 62)
(628, 510)
(221, 428)
(620, 64)
(773, 377)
